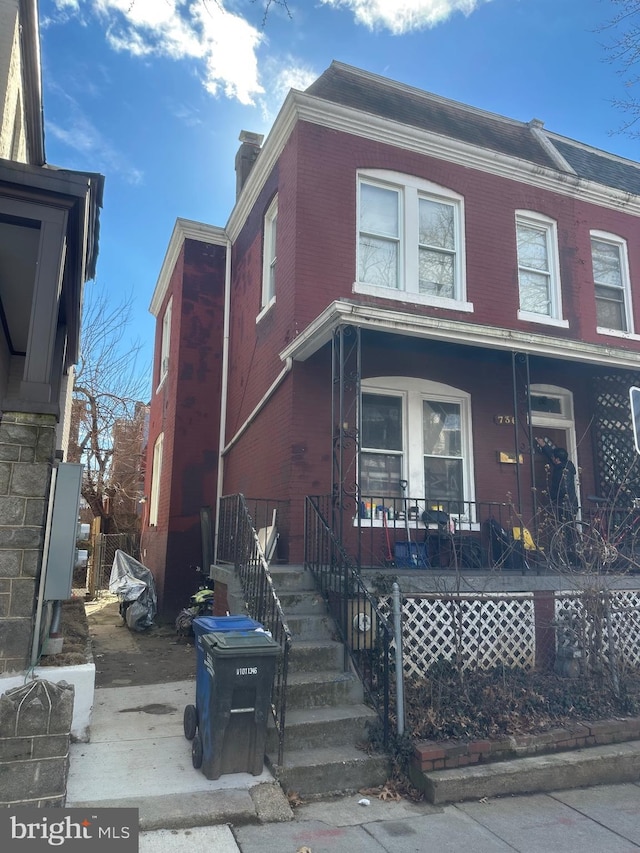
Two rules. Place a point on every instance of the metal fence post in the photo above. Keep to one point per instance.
(397, 630)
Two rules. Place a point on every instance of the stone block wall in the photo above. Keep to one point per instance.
(35, 722)
(27, 443)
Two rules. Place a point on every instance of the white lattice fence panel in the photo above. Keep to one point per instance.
(581, 624)
(481, 631)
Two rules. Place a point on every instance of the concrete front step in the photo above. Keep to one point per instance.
(596, 765)
(316, 655)
(291, 579)
(311, 728)
(321, 772)
(302, 603)
(315, 689)
(310, 627)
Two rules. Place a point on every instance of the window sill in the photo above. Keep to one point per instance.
(529, 317)
(162, 381)
(409, 296)
(618, 333)
(265, 310)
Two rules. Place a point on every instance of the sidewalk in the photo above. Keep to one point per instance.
(593, 820)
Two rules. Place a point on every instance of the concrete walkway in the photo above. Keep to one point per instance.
(139, 757)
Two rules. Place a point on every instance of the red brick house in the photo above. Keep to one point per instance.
(408, 292)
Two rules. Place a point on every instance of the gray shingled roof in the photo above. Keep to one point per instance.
(350, 87)
(597, 166)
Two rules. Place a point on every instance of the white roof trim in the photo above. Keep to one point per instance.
(184, 229)
(320, 330)
(299, 106)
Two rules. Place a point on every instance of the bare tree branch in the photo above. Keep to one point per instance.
(108, 391)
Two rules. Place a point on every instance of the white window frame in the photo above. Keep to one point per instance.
(410, 189)
(165, 344)
(532, 219)
(269, 257)
(621, 244)
(156, 474)
(413, 392)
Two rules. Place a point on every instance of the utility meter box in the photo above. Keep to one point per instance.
(63, 535)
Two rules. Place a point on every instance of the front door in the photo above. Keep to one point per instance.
(541, 464)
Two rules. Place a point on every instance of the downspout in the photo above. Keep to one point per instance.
(224, 393)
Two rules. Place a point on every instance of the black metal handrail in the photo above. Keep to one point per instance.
(364, 630)
(239, 544)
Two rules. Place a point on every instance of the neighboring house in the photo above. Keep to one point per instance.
(48, 249)
(127, 469)
(407, 293)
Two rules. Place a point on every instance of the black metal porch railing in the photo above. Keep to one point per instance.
(442, 534)
(364, 630)
(239, 543)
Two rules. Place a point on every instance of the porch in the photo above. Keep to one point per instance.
(369, 623)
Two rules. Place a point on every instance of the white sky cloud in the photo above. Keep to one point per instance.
(403, 16)
(223, 43)
(280, 75)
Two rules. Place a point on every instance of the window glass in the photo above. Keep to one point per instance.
(166, 341)
(443, 463)
(381, 426)
(534, 271)
(379, 232)
(269, 260)
(609, 285)
(156, 473)
(436, 264)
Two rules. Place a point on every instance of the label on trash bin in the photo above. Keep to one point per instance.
(247, 670)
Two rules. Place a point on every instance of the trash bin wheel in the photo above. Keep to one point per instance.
(196, 751)
(190, 721)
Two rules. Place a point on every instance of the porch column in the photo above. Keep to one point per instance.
(522, 435)
(345, 394)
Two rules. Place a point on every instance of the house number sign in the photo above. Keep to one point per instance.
(504, 419)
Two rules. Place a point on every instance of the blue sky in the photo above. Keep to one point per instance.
(153, 93)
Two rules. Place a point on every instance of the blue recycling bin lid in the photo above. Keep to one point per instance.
(222, 624)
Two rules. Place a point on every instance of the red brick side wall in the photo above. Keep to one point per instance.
(187, 409)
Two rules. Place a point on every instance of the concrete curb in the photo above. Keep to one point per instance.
(598, 765)
(183, 811)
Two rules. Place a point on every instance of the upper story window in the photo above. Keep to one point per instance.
(166, 342)
(538, 269)
(410, 240)
(269, 256)
(611, 282)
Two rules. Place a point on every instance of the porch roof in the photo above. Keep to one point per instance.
(344, 312)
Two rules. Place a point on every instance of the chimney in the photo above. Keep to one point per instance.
(246, 156)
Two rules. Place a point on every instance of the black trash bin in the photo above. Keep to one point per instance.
(236, 699)
(207, 625)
